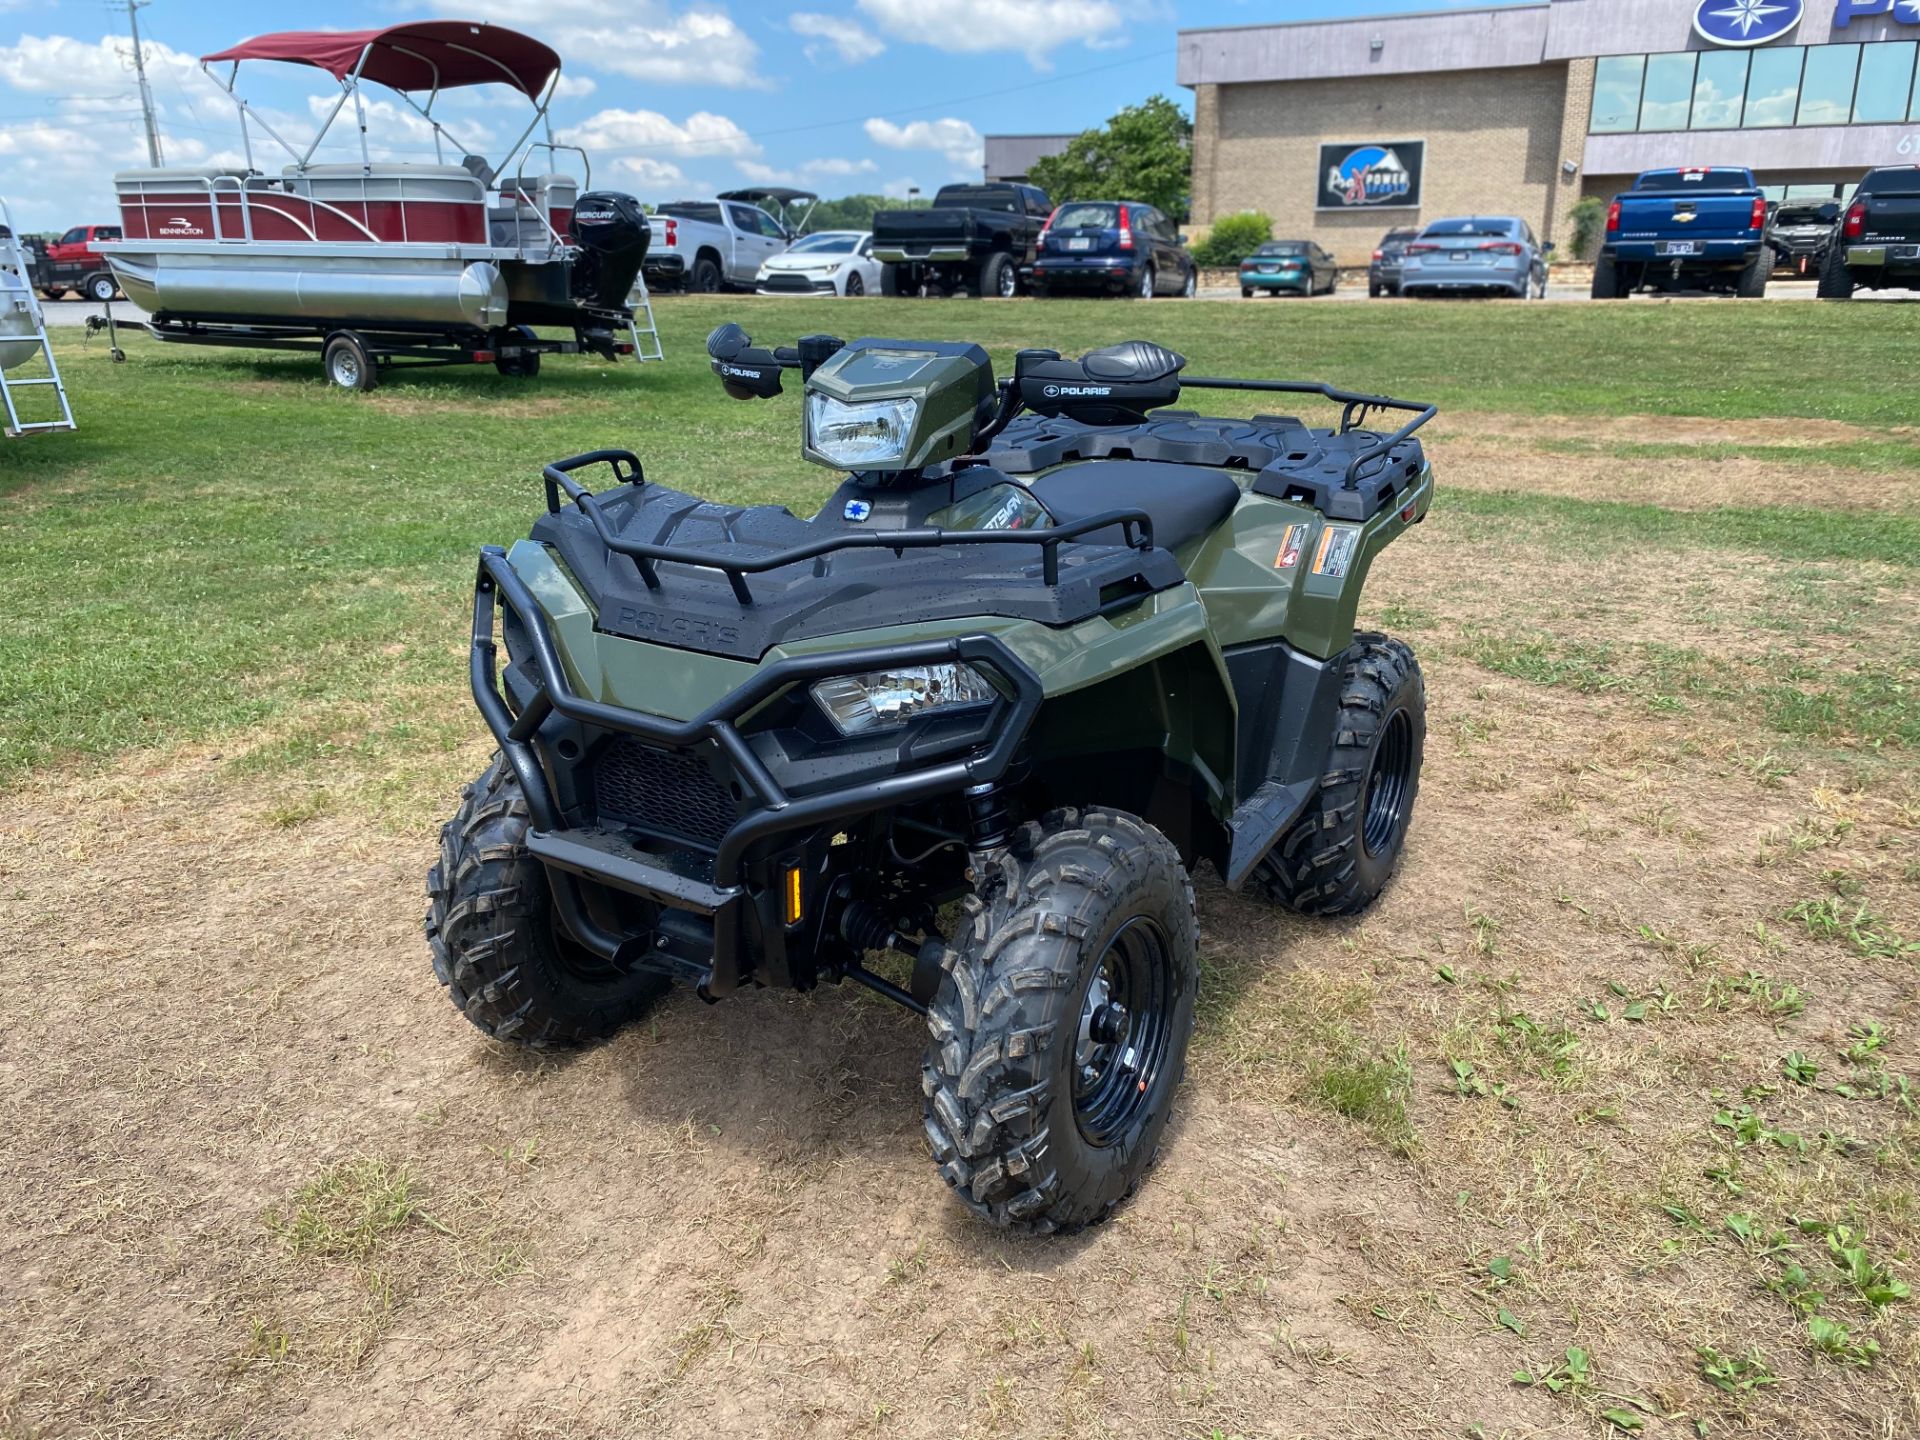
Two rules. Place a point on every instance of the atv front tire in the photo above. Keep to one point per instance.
(1059, 1029)
(507, 963)
(1340, 853)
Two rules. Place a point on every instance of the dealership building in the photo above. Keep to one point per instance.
(1342, 129)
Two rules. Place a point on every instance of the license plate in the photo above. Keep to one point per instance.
(1677, 247)
(1904, 252)
(1461, 255)
(1269, 269)
(1079, 244)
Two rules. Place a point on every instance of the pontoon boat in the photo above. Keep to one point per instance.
(445, 263)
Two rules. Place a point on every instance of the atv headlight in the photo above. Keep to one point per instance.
(858, 437)
(884, 698)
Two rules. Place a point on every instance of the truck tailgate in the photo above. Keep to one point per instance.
(1893, 218)
(923, 227)
(1681, 217)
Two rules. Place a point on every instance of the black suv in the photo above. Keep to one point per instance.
(1111, 247)
(1383, 274)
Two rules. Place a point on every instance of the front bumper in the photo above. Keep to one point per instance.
(793, 282)
(736, 885)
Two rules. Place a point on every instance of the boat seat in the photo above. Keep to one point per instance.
(1183, 501)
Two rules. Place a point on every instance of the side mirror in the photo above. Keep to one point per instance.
(746, 373)
(1548, 248)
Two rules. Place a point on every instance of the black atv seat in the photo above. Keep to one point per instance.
(1183, 501)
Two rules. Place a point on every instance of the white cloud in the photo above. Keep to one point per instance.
(645, 39)
(653, 178)
(807, 172)
(647, 135)
(60, 64)
(1034, 28)
(845, 37)
(836, 166)
(394, 130)
(955, 139)
(574, 87)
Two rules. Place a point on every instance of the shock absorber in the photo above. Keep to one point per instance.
(987, 821)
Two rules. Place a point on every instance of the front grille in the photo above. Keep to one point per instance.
(788, 280)
(669, 794)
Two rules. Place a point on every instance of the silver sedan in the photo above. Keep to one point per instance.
(1476, 254)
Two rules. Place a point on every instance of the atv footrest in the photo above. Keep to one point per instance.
(611, 860)
(1259, 822)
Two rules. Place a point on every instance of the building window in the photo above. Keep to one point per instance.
(1886, 80)
(1669, 92)
(1718, 89)
(1773, 87)
(1616, 94)
(1826, 90)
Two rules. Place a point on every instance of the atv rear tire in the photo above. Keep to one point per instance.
(1059, 1029)
(497, 946)
(1836, 281)
(1341, 852)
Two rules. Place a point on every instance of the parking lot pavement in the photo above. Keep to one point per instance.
(75, 312)
(1776, 290)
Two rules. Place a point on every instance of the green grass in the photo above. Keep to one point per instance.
(227, 544)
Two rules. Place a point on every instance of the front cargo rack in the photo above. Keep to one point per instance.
(1136, 529)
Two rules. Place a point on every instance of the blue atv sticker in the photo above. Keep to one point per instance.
(857, 510)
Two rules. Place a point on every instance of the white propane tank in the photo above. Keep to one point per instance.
(19, 331)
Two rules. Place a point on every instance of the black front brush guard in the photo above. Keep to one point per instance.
(567, 854)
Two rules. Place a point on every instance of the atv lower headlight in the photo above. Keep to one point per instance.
(884, 698)
(860, 437)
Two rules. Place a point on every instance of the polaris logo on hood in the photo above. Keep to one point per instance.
(1055, 391)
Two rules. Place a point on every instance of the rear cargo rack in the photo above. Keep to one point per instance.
(1353, 414)
(1135, 525)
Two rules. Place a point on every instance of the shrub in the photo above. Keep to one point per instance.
(1587, 216)
(1233, 239)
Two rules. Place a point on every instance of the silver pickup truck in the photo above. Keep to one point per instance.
(720, 244)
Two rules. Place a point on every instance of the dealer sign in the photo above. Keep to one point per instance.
(1383, 175)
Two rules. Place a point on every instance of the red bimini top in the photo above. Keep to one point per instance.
(431, 54)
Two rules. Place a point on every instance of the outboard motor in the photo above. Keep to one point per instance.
(613, 233)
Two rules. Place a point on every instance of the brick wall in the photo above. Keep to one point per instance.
(1495, 142)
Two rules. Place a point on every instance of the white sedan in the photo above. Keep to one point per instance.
(833, 262)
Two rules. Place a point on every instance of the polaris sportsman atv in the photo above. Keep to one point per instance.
(1050, 644)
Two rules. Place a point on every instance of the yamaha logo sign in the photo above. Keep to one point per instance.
(1742, 24)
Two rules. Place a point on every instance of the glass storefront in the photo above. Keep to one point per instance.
(1757, 89)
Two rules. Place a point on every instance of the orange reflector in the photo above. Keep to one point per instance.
(793, 895)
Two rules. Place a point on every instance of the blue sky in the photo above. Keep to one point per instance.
(673, 99)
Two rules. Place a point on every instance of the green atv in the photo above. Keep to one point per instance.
(1049, 645)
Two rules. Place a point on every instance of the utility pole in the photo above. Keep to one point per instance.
(134, 7)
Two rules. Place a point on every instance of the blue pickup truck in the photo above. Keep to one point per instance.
(1691, 229)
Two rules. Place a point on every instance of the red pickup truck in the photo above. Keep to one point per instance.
(73, 264)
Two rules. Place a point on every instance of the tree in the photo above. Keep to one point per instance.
(1143, 153)
(855, 212)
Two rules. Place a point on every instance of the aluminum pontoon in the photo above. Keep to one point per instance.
(452, 262)
(23, 340)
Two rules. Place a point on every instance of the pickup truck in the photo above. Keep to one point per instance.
(1876, 245)
(975, 240)
(73, 264)
(712, 245)
(1699, 228)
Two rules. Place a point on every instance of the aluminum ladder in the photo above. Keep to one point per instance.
(15, 260)
(641, 303)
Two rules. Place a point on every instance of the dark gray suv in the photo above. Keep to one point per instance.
(1383, 274)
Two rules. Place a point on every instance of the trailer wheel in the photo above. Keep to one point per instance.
(348, 362)
(526, 364)
(101, 287)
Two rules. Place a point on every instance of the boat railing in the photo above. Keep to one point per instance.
(238, 206)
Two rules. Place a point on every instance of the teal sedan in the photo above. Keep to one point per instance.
(1289, 267)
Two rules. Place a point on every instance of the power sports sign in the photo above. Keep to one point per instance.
(1381, 175)
(1745, 24)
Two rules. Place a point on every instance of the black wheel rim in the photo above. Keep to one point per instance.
(1387, 785)
(1120, 1056)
